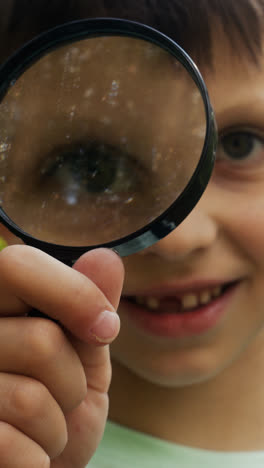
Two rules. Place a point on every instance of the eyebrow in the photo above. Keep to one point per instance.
(248, 111)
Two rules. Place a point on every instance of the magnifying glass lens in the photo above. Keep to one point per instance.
(98, 138)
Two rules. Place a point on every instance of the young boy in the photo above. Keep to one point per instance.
(191, 398)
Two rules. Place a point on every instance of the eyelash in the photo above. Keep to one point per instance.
(255, 137)
(122, 170)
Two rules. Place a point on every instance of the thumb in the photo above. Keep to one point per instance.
(105, 268)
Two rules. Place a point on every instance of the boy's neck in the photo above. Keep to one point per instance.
(225, 413)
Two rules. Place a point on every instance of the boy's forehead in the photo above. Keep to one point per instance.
(226, 59)
(234, 81)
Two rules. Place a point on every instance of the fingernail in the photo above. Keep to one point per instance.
(106, 327)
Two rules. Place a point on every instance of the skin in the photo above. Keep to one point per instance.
(196, 381)
(49, 414)
(171, 381)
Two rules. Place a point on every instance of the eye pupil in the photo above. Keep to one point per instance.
(238, 145)
(94, 167)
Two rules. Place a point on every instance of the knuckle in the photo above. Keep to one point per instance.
(31, 402)
(44, 340)
(29, 399)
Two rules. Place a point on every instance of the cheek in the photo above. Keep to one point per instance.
(237, 206)
(245, 223)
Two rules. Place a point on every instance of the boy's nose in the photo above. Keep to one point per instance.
(195, 234)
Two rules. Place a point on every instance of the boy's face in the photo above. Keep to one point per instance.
(216, 256)
(214, 262)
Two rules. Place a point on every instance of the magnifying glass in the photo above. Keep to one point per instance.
(107, 138)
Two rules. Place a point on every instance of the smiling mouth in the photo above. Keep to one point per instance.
(180, 303)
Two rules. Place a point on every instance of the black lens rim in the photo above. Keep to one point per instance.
(13, 68)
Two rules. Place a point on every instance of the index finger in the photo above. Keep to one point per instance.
(63, 293)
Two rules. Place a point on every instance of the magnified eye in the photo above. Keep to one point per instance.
(239, 145)
(94, 168)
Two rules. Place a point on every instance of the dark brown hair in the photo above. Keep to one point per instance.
(188, 22)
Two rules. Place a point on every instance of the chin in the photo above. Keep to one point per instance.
(172, 374)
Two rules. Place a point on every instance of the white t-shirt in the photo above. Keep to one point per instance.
(124, 448)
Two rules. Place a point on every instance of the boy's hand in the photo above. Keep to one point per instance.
(54, 379)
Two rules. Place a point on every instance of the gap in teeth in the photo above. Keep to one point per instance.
(188, 301)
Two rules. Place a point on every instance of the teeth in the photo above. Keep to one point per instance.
(205, 297)
(189, 301)
(152, 303)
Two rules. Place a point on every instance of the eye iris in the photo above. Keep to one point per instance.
(93, 167)
(238, 145)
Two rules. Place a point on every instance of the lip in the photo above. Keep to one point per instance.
(181, 325)
(178, 288)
